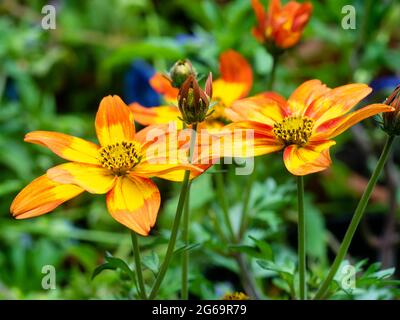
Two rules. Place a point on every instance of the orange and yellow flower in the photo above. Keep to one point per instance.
(234, 83)
(281, 26)
(305, 124)
(120, 167)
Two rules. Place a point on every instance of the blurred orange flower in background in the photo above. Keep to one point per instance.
(305, 124)
(120, 167)
(234, 83)
(281, 26)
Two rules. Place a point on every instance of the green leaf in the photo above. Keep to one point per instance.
(186, 247)
(265, 249)
(146, 49)
(99, 269)
(249, 250)
(113, 263)
(316, 243)
(151, 262)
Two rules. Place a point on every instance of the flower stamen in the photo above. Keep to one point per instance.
(120, 157)
(294, 130)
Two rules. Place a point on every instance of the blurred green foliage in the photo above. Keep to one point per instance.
(54, 80)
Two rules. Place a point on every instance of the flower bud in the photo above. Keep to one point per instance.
(391, 120)
(193, 102)
(180, 71)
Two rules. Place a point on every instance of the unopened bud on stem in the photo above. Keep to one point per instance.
(391, 120)
(193, 102)
(180, 71)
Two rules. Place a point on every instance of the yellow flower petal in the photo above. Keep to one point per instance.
(247, 139)
(134, 202)
(337, 102)
(41, 196)
(114, 121)
(67, 147)
(228, 92)
(300, 100)
(266, 108)
(308, 159)
(333, 127)
(236, 78)
(93, 179)
(155, 115)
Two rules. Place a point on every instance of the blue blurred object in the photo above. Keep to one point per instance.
(11, 92)
(137, 87)
(183, 39)
(385, 83)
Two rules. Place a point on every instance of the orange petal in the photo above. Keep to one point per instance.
(259, 12)
(151, 133)
(337, 102)
(93, 179)
(333, 127)
(168, 171)
(165, 154)
(134, 202)
(67, 147)
(302, 16)
(308, 159)
(304, 96)
(41, 196)
(247, 139)
(114, 121)
(234, 68)
(154, 115)
(163, 86)
(288, 23)
(227, 92)
(266, 108)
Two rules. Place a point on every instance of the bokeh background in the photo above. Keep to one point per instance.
(55, 79)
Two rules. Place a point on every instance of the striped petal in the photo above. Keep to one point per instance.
(165, 154)
(337, 102)
(114, 121)
(134, 202)
(67, 147)
(302, 160)
(41, 196)
(247, 139)
(167, 171)
(93, 179)
(333, 127)
(163, 86)
(266, 108)
(305, 95)
(154, 115)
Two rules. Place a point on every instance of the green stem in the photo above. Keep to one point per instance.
(178, 215)
(355, 220)
(246, 203)
(271, 79)
(219, 181)
(245, 274)
(301, 238)
(138, 266)
(185, 254)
